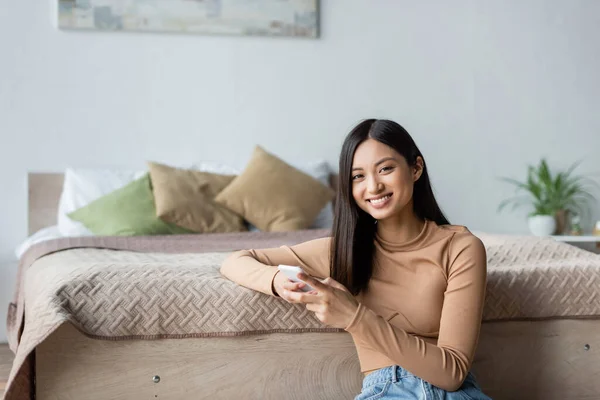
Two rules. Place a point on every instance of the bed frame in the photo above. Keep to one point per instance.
(541, 359)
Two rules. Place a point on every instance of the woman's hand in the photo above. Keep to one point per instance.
(331, 302)
(282, 286)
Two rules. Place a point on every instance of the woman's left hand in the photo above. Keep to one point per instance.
(331, 302)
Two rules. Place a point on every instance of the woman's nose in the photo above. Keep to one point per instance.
(374, 186)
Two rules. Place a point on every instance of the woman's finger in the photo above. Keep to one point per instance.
(293, 286)
(284, 296)
(288, 295)
(333, 283)
(313, 307)
(301, 297)
(316, 284)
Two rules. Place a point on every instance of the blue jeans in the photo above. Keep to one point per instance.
(396, 383)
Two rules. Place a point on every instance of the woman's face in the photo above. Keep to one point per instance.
(382, 180)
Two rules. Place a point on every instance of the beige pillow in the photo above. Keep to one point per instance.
(186, 198)
(274, 196)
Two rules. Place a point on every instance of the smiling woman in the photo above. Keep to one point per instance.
(408, 286)
(382, 171)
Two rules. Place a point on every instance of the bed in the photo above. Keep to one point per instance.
(151, 317)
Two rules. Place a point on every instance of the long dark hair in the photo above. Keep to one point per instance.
(353, 234)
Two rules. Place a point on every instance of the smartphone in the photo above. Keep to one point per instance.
(291, 272)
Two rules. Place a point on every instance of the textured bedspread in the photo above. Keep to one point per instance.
(152, 287)
(171, 287)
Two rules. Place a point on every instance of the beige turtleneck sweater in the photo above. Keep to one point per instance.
(423, 306)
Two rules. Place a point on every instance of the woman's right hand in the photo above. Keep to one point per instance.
(281, 284)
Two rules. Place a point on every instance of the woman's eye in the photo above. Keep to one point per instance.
(357, 176)
(384, 169)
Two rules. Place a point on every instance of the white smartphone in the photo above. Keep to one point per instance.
(292, 274)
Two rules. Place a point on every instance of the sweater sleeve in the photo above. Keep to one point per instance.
(446, 364)
(256, 269)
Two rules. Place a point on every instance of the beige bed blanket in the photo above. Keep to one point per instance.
(159, 287)
(153, 287)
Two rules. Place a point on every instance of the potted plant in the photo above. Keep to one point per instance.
(551, 196)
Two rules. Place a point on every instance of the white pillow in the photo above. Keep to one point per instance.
(320, 170)
(42, 235)
(215, 168)
(82, 186)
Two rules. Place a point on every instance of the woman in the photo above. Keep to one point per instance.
(408, 286)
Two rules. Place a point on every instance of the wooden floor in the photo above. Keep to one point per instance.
(6, 358)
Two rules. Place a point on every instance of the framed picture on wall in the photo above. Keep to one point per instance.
(291, 18)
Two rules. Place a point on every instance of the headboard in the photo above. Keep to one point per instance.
(44, 191)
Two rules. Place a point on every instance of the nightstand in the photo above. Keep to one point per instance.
(586, 242)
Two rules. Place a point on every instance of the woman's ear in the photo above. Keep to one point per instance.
(418, 168)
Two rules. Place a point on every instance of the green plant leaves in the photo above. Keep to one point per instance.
(548, 193)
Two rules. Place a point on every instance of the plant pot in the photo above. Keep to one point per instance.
(542, 225)
(561, 222)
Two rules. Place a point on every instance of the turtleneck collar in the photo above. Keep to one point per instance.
(389, 243)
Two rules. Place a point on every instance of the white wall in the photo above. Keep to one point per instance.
(485, 87)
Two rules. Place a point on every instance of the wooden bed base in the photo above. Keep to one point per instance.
(530, 360)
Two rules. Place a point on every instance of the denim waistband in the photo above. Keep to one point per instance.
(393, 373)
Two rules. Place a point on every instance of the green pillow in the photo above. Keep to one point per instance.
(128, 211)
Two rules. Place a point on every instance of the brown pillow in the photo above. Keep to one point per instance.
(274, 196)
(186, 198)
